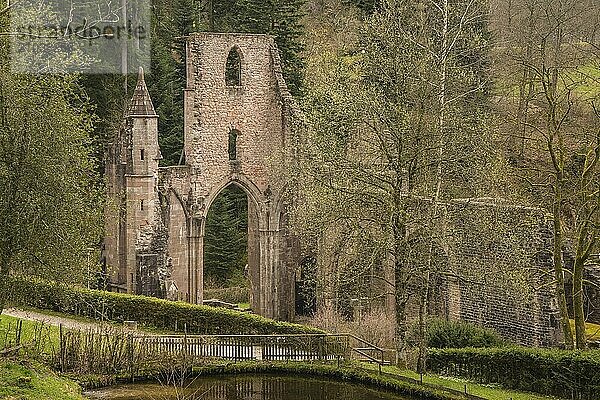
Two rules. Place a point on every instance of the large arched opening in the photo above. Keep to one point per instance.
(231, 248)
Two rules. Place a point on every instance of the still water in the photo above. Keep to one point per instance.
(246, 387)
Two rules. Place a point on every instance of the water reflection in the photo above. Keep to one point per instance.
(245, 387)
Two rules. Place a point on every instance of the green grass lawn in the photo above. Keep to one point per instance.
(592, 331)
(491, 392)
(40, 338)
(31, 380)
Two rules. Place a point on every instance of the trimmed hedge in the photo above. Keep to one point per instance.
(562, 373)
(148, 311)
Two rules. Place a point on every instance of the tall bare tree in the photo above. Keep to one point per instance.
(556, 120)
(396, 127)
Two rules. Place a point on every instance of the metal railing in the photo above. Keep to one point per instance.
(367, 351)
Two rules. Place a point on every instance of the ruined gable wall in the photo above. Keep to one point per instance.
(213, 109)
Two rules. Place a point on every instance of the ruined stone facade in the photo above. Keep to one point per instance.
(235, 128)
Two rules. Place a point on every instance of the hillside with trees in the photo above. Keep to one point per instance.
(471, 125)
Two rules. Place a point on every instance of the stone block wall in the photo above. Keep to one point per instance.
(499, 263)
(213, 109)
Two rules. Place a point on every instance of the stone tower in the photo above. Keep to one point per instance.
(132, 172)
(237, 116)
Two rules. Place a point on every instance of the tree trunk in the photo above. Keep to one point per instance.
(423, 325)
(578, 314)
(558, 273)
(401, 279)
(401, 323)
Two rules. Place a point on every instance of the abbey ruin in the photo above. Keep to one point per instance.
(236, 126)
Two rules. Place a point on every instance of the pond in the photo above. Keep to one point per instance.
(246, 387)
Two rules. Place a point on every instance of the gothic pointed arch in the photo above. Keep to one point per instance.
(254, 194)
(233, 68)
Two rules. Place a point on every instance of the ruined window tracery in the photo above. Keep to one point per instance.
(233, 135)
(233, 68)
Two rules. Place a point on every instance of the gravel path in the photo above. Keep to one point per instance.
(68, 323)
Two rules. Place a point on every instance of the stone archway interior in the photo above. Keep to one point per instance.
(231, 250)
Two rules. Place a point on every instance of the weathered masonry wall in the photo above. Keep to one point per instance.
(501, 257)
(492, 266)
(213, 109)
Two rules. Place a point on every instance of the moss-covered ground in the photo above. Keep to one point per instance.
(592, 331)
(30, 380)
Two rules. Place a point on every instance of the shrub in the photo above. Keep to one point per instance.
(148, 311)
(562, 373)
(442, 334)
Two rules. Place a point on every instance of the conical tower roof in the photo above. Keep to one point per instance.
(141, 104)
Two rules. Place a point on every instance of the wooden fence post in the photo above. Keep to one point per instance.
(61, 348)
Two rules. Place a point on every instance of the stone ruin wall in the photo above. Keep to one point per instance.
(259, 109)
(502, 261)
(255, 109)
(493, 269)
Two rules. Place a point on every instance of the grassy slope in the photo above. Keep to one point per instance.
(592, 331)
(487, 391)
(46, 336)
(28, 380)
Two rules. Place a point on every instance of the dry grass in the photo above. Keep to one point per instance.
(374, 326)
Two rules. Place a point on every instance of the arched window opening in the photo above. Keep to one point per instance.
(233, 135)
(233, 68)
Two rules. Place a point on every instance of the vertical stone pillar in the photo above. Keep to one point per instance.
(269, 257)
(254, 271)
(196, 262)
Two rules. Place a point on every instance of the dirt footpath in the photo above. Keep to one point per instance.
(68, 323)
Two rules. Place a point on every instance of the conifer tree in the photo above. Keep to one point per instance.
(226, 238)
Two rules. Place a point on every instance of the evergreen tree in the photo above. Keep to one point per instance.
(366, 5)
(106, 94)
(226, 238)
(281, 19)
